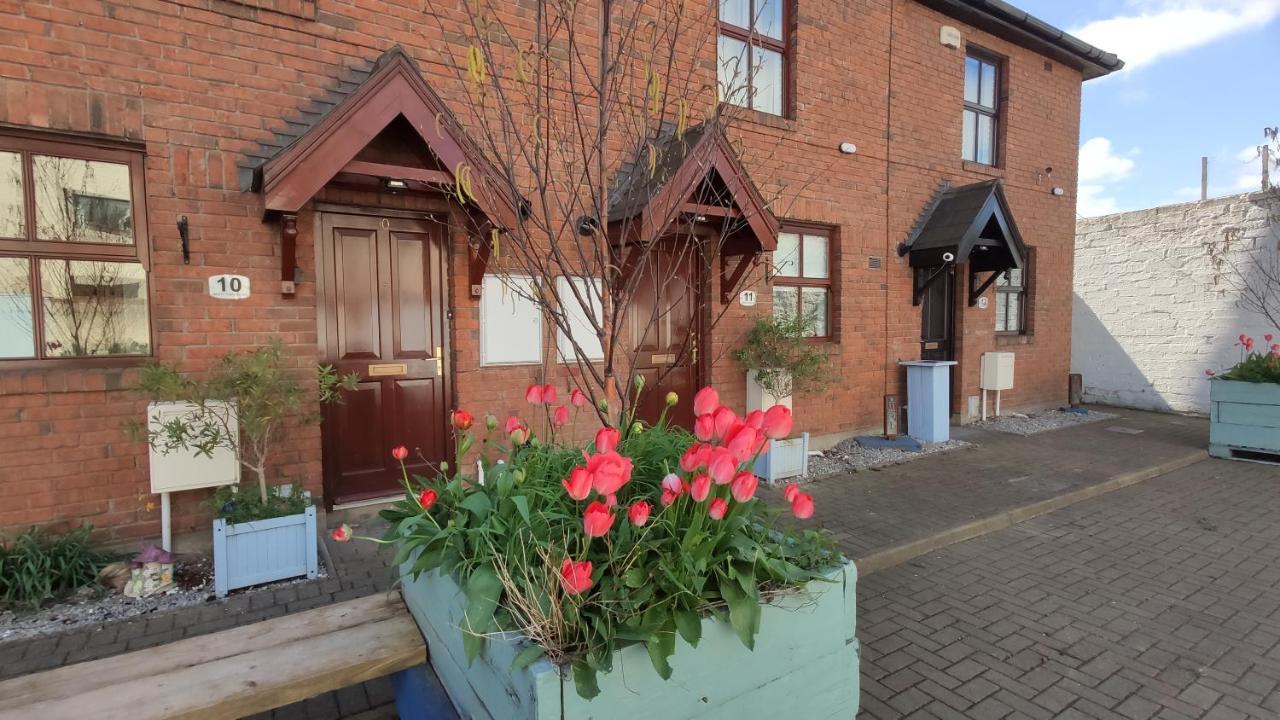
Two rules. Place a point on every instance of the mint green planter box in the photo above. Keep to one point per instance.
(805, 664)
(1244, 420)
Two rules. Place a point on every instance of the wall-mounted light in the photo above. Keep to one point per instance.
(395, 184)
(848, 148)
(1058, 191)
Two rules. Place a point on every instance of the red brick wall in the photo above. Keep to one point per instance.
(202, 82)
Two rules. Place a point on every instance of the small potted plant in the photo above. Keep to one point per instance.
(267, 533)
(780, 361)
(1244, 416)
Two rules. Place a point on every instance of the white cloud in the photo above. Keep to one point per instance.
(1091, 201)
(1167, 27)
(1101, 167)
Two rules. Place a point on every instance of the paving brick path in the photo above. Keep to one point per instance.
(1161, 600)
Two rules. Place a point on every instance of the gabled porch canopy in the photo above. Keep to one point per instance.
(970, 224)
(696, 177)
(393, 100)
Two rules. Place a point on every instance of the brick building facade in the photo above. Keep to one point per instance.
(196, 96)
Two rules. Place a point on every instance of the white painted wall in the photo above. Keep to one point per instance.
(1148, 318)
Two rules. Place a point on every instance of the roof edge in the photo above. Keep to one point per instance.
(1017, 26)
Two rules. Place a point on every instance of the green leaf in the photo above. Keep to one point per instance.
(661, 647)
(526, 657)
(689, 625)
(522, 507)
(584, 679)
(479, 505)
(744, 612)
(635, 577)
(483, 590)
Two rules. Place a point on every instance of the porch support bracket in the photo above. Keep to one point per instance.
(478, 261)
(288, 254)
(975, 290)
(731, 279)
(917, 293)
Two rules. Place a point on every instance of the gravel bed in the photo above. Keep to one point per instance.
(98, 606)
(849, 456)
(1019, 424)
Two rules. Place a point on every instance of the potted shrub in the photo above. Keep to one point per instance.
(268, 532)
(543, 591)
(1244, 415)
(781, 360)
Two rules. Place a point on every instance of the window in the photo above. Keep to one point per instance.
(802, 279)
(752, 54)
(510, 321)
(1011, 302)
(73, 275)
(981, 108)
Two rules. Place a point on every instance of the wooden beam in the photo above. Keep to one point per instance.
(477, 263)
(710, 210)
(730, 280)
(976, 292)
(399, 172)
(288, 254)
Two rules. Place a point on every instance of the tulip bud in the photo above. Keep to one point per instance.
(444, 466)
(672, 399)
(639, 382)
(637, 427)
(603, 404)
(490, 422)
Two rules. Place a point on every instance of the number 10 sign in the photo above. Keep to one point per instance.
(229, 287)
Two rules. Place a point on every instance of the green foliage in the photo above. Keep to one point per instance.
(784, 359)
(38, 567)
(264, 391)
(228, 503)
(1260, 366)
(504, 542)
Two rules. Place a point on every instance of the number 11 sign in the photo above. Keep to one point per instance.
(229, 287)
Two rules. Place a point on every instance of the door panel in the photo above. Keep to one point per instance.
(384, 308)
(937, 316)
(663, 322)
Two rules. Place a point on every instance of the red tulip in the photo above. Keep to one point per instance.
(717, 508)
(689, 460)
(668, 497)
(1275, 347)
(722, 466)
(400, 452)
(427, 498)
(724, 419)
(533, 394)
(577, 398)
(462, 420)
(342, 533)
(638, 513)
(744, 486)
(802, 505)
(1268, 337)
(513, 422)
(576, 577)
(561, 416)
(755, 419)
(1208, 373)
(549, 394)
(742, 440)
(607, 439)
(1243, 337)
(1248, 344)
(701, 488)
(790, 493)
(596, 519)
(609, 472)
(520, 435)
(704, 428)
(777, 422)
(578, 484)
(673, 483)
(706, 401)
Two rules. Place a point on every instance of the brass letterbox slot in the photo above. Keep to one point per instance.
(387, 369)
(664, 359)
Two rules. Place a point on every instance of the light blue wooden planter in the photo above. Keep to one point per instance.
(785, 459)
(1244, 420)
(805, 664)
(252, 553)
(929, 399)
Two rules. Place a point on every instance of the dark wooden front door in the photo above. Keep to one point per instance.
(663, 320)
(383, 317)
(937, 315)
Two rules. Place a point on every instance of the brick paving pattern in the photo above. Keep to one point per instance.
(1161, 600)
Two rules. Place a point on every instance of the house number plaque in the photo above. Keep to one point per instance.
(229, 287)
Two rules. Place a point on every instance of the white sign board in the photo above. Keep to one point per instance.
(229, 287)
(982, 303)
(184, 469)
(747, 298)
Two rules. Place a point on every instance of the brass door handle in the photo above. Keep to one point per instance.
(439, 362)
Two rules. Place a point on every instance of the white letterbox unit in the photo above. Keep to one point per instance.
(997, 374)
(181, 469)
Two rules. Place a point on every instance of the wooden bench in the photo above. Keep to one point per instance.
(242, 671)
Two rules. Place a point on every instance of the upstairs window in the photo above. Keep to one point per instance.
(802, 279)
(1011, 303)
(981, 109)
(752, 54)
(73, 279)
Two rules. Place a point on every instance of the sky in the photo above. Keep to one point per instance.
(1200, 79)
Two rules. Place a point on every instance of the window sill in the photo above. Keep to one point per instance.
(976, 167)
(778, 122)
(1009, 339)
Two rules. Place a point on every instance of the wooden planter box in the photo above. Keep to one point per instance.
(785, 459)
(1244, 420)
(805, 659)
(251, 553)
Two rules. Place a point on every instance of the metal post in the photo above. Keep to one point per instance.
(166, 529)
(1204, 178)
(1266, 168)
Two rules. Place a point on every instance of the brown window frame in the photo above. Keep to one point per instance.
(752, 39)
(995, 112)
(28, 142)
(829, 283)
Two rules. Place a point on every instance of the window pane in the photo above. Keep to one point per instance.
(736, 12)
(785, 301)
(82, 200)
(17, 331)
(815, 310)
(786, 259)
(988, 95)
(1002, 308)
(986, 140)
(94, 308)
(12, 218)
(972, 73)
(733, 71)
(969, 149)
(816, 252)
(769, 18)
(1013, 322)
(1015, 277)
(767, 78)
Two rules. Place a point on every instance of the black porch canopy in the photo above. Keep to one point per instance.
(969, 224)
